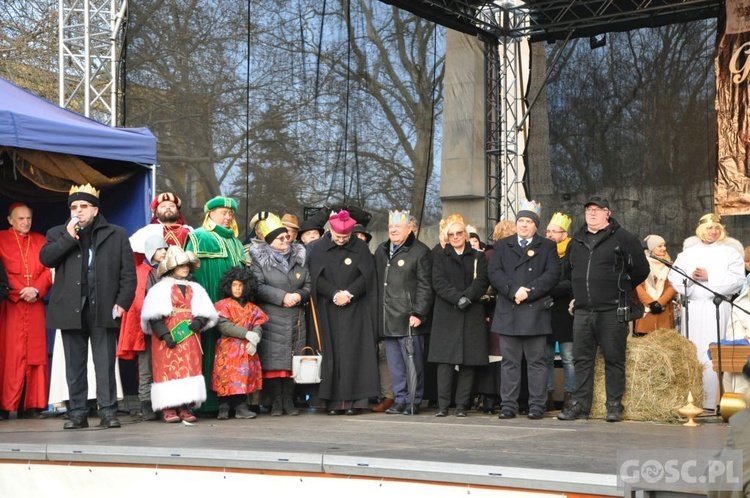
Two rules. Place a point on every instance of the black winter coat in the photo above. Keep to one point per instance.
(113, 280)
(600, 274)
(458, 337)
(285, 332)
(405, 287)
(536, 267)
(562, 320)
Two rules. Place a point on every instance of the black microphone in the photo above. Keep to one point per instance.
(660, 260)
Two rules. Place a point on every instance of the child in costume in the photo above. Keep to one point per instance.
(237, 371)
(175, 311)
(133, 343)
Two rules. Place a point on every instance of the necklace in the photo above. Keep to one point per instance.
(24, 256)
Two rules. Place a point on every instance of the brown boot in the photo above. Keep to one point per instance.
(566, 401)
(550, 401)
(383, 405)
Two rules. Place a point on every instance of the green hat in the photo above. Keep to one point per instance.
(219, 202)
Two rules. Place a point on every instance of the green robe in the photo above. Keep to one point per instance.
(218, 250)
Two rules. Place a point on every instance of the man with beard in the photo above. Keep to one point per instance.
(217, 246)
(167, 221)
(344, 287)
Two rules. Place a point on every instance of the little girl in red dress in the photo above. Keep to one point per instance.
(237, 371)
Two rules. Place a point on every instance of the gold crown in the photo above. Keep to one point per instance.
(471, 229)
(710, 218)
(84, 189)
(561, 220)
(268, 225)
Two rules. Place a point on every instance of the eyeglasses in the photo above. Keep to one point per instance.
(555, 231)
(456, 234)
(596, 210)
(284, 236)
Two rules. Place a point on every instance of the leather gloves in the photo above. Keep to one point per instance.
(463, 303)
(655, 307)
(167, 338)
(253, 338)
(197, 324)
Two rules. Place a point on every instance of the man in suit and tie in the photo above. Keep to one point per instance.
(524, 268)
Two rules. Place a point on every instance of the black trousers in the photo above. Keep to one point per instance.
(514, 349)
(464, 384)
(592, 329)
(104, 351)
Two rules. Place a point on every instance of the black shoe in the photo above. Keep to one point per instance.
(335, 412)
(110, 422)
(506, 413)
(575, 412)
(442, 411)
(535, 414)
(614, 412)
(32, 413)
(76, 423)
(4, 415)
(411, 410)
(352, 411)
(396, 409)
(461, 411)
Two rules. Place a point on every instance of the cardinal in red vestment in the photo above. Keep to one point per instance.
(23, 336)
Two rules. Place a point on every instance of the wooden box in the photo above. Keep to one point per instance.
(733, 357)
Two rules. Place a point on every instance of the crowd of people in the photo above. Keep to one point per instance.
(214, 323)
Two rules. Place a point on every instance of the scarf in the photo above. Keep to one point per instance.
(656, 277)
(562, 248)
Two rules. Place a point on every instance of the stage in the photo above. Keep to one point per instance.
(479, 452)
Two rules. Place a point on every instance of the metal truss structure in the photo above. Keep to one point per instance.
(91, 36)
(504, 26)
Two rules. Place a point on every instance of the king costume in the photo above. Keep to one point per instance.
(23, 336)
(219, 249)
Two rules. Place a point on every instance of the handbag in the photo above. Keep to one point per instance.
(181, 331)
(306, 368)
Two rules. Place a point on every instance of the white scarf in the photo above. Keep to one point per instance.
(656, 277)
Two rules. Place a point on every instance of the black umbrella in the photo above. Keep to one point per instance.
(411, 370)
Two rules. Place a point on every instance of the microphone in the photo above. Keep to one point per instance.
(77, 227)
(660, 260)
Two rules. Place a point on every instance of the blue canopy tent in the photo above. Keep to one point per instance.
(45, 149)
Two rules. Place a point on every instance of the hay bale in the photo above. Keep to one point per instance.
(660, 369)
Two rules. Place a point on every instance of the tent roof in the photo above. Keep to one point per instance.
(31, 122)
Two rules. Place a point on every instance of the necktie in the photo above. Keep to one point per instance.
(524, 243)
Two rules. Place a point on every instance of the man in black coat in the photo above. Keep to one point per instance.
(605, 263)
(405, 297)
(94, 284)
(524, 269)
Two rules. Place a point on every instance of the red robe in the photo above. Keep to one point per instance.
(235, 371)
(132, 340)
(23, 335)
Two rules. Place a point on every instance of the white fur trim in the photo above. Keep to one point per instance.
(178, 392)
(158, 303)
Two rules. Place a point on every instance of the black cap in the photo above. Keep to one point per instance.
(360, 229)
(599, 201)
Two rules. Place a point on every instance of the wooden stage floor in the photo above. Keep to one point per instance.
(548, 454)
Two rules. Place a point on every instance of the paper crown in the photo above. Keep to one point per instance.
(87, 189)
(398, 217)
(164, 197)
(341, 222)
(561, 220)
(450, 220)
(270, 227)
(471, 229)
(83, 193)
(710, 218)
(532, 206)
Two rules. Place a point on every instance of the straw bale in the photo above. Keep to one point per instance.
(661, 368)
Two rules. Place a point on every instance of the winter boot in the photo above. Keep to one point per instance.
(287, 393)
(242, 410)
(223, 412)
(566, 401)
(614, 411)
(147, 411)
(275, 391)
